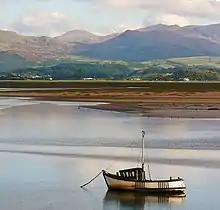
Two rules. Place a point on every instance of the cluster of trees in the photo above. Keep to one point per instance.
(192, 75)
(114, 71)
(79, 71)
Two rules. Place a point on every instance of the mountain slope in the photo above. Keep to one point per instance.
(80, 36)
(141, 45)
(9, 62)
(154, 42)
(30, 47)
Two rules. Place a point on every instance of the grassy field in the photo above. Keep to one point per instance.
(210, 61)
(122, 85)
(116, 91)
(18, 62)
(206, 61)
(198, 61)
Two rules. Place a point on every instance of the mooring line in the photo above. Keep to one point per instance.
(92, 179)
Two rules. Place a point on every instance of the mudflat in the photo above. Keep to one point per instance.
(179, 100)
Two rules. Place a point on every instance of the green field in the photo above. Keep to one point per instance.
(173, 69)
(165, 63)
(126, 85)
(209, 61)
(206, 61)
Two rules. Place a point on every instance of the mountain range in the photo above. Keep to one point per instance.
(153, 42)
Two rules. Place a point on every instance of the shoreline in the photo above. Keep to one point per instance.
(146, 104)
(171, 112)
(150, 109)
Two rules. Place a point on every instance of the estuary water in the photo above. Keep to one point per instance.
(49, 149)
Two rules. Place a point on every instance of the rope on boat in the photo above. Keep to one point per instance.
(97, 175)
(92, 179)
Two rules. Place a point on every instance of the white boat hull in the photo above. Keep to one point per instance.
(175, 186)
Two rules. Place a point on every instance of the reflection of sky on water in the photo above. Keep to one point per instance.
(45, 175)
(174, 129)
(32, 181)
(130, 200)
(34, 122)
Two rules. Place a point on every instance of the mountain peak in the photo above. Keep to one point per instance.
(160, 27)
(76, 32)
(77, 36)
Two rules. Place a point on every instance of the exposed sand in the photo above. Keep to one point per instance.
(151, 104)
(164, 110)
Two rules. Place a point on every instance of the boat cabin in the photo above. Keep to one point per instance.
(132, 173)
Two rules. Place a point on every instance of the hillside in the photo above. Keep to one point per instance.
(29, 47)
(158, 42)
(142, 45)
(83, 37)
(175, 69)
(11, 61)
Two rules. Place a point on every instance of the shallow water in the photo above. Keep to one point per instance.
(49, 149)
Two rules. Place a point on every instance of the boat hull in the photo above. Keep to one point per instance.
(171, 186)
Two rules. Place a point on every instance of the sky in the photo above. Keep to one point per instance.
(55, 17)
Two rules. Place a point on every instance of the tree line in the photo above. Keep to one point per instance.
(114, 71)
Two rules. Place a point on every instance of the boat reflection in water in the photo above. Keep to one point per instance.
(119, 200)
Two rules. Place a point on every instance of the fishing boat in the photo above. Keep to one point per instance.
(134, 179)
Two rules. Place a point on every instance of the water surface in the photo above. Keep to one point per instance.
(49, 149)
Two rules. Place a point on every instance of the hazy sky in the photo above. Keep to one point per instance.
(53, 17)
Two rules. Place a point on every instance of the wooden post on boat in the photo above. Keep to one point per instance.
(142, 151)
(142, 157)
(143, 160)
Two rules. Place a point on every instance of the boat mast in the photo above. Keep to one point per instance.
(142, 158)
(142, 151)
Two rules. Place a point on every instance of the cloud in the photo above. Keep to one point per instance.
(120, 28)
(173, 19)
(43, 24)
(168, 19)
(181, 12)
(108, 14)
(192, 8)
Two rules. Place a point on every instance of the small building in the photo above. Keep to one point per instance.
(88, 78)
(186, 79)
